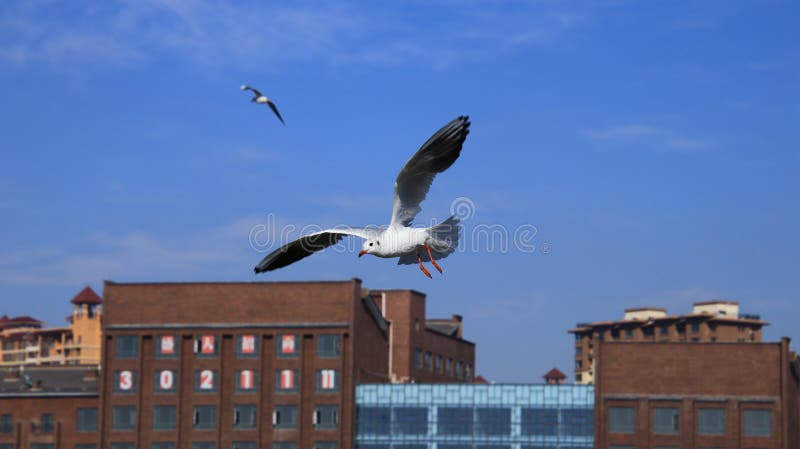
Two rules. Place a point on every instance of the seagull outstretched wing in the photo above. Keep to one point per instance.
(308, 245)
(435, 156)
(275, 110)
(251, 89)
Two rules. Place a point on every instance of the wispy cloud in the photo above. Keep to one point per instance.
(650, 136)
(122, 33)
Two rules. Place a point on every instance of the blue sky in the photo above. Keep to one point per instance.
(652, 145)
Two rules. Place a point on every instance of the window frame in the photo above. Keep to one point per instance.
(130, 425)
(279, 346)
(172, 423)
(175, 347)
(118, 345)
(80, 418)
(278, 422)
(327, 353)
(256, 346)
(197, 413)
(616, 427)
(326, 416)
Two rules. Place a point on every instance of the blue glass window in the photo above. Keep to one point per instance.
(454, 421)
(539, 421)
(410, 421)
(373, 420)
(493, 421)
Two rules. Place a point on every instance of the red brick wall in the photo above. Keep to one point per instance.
(28, 410)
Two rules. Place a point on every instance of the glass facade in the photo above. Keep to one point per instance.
(474, 416)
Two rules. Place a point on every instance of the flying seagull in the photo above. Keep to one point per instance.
(259, 98)
(398, 239)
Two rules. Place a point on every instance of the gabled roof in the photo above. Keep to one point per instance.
(555, 374)
(87, 296)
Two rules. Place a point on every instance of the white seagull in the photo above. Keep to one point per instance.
(399, 239)
(259, 98)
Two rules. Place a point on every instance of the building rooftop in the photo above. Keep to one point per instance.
(87, 296)
(49, 381)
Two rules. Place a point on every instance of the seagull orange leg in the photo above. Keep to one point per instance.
(422, 267)
(433, 261)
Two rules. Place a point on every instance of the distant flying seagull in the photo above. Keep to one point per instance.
(399, 239)
(259, 98)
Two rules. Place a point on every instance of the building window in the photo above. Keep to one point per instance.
(577, 422)
(119, 445)
(86, 420)
(6, 423)
(695, 326)
(284, 445)
(428, 356)
(327, 380)
(163, 445)
(246, 381)
(454, 421)
(205, 381)
(578, 351)
(458, 370)
(758, 423)
(620, 419)
(374, 420)
(286, 381)
(493, 421)
(166, 381)
(164, 417)
(328, 346)
(42, 446)
(418, 358)
(628, 333)
(615, 334)
(10, 446)
(77, 446)
(410, 421)
(539, 421)
(125, 382)
(620, 446)
(167, 347)
(326, 416)
(664, 330)
(46, 424)
(438, 364)
(244, 445)
(578, 364)
(579, 377)
(325, 445)
(204, 417)
(448, 366)
(287, 345)
(126, 347)
(203, 445)
(665, 420)
(246, 346)
(711, 421)
(206, 346)
(284, 417)
(467, 372)
(244, 417)
(123, 417)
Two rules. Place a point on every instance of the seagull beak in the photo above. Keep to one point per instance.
(362, 252)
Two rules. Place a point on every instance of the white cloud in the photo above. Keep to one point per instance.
(256, 34)
(652, 136)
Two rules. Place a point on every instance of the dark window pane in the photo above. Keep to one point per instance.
(163, 445)
(328, 346)
(324, 445)
(164, 417)
(244, 445)
(326, 416)
(410, 421)
(284, 445)
(121, 445)
(539, 421)
(493, 421)
(284, 417)
(123, 417)
(373, 420)
(620, 419)
(46, 423)
(454, 421)
(665, 420)
(711, 421)
(757, 423)
(41, 446)
(244, 417)
(6, 423)
(577, 422)
(86, 419)
(126, 346)
(204, 417)
(203, 445)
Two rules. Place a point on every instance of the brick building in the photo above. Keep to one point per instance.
(710, 321)
(697, 395)
(270, 365)
(25, 342)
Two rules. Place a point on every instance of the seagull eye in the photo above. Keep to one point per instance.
(379, 243)
(370, 244)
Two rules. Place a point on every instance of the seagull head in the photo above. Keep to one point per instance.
(370, 247)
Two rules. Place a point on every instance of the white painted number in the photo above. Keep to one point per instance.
(287, 344)
(328, 380)
(207, 380)
(168, 345)
(248, 344)
(246, 379)
(125, 380)
(166, 380)
(207, 344)
(287, 379)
